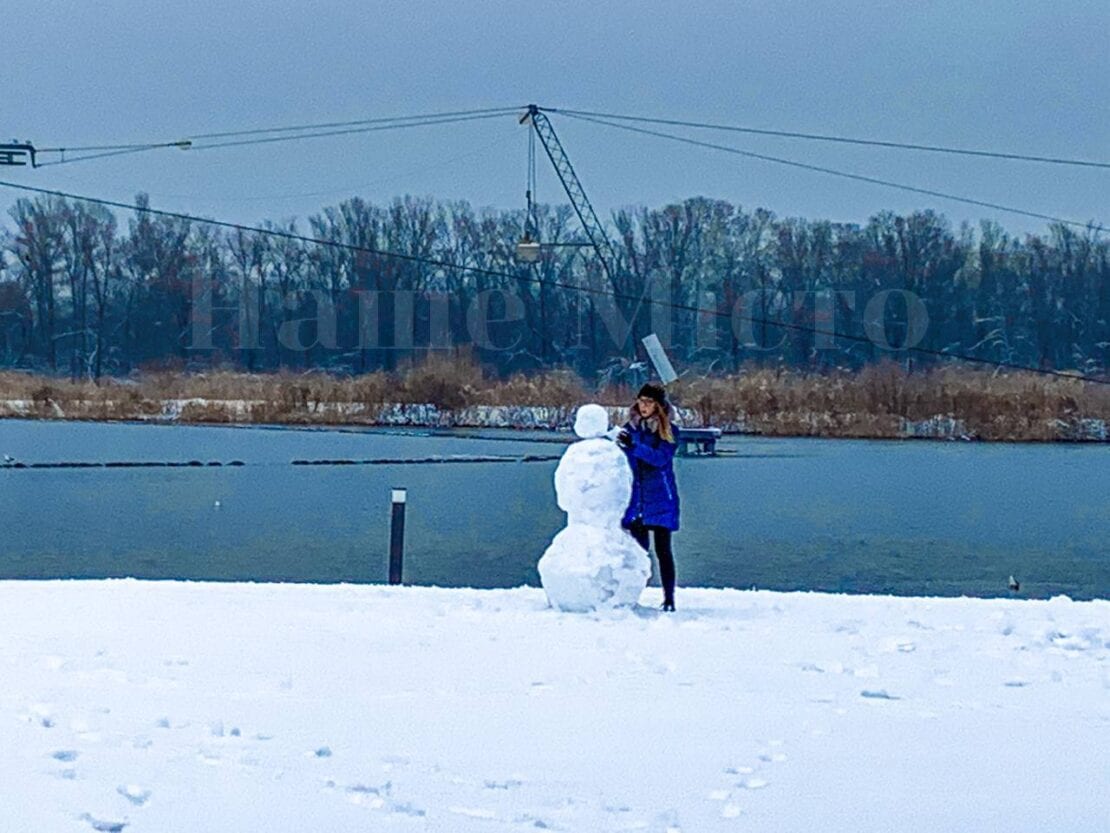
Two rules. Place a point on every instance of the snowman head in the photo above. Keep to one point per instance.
(591, 421)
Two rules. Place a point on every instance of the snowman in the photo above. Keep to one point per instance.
(593, 563)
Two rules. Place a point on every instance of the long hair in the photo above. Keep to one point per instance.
(664, 414)
(660, 421)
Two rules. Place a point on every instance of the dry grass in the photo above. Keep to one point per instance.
(872, 403)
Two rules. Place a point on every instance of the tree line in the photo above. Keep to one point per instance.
(89, 293)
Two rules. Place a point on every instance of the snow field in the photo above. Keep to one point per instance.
(166, 706)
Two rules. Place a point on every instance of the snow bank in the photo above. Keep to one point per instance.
(170, 707)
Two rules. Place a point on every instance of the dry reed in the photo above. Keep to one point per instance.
(875, 402)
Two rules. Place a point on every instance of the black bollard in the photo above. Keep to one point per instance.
(397, 536)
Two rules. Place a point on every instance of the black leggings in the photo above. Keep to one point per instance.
(662, 552)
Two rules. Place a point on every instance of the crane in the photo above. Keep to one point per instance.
(529, 249)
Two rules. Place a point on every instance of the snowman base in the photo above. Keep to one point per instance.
(588, 568)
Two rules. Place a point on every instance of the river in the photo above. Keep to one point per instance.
(860, 516)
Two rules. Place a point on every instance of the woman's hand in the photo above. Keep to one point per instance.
(624, 439)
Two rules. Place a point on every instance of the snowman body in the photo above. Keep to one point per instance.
(593, 563)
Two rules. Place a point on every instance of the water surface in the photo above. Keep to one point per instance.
(841, 515)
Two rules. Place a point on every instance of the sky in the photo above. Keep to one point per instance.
(1023, 77)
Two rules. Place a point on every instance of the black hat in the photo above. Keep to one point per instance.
(655, 392)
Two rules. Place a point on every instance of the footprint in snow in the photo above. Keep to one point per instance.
(729, 808)
(104, 825)
(897, 644)
(40, 714)
(404, 808)
(730, 811)
(216, 729)
(367, 789)
(378, 797)
(66, 755)
(532, 821)
(374, 797)
(473, 812)
(135, 794)
(878, 694)
(821, 667)
(667, 822)
(773, 757)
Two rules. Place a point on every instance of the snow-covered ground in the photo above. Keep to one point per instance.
(169, 707)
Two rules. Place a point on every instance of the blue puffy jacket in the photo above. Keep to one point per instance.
(654, 493)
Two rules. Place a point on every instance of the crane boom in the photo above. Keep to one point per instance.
(595, 231)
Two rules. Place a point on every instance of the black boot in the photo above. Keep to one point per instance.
(668, 605)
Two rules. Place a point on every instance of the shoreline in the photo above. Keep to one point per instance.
(883, 401)
(241, 413)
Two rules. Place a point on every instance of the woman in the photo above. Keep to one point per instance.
(648, 438)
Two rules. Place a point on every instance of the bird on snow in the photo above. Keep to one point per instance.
(1015, 585)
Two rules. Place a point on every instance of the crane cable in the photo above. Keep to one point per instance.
(530, 199)
(820, 137)
(442, 264)
(195, 142)
(349, 131)
(347, 190)
(494, 111)
(452, 117)
(833, 172)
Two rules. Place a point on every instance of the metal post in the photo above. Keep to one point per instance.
(397, 536)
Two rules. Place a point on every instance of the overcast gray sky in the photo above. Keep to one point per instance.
(1027, 77)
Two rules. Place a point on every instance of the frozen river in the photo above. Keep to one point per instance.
(841, 515)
